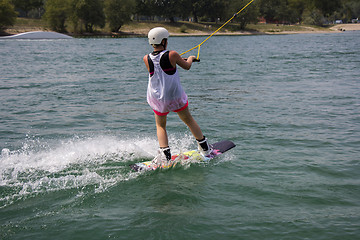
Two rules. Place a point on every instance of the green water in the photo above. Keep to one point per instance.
(74, 116)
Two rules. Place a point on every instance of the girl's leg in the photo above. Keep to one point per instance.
(161, 131)
(186, 117)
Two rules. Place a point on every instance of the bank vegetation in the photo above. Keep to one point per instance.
(188, 16)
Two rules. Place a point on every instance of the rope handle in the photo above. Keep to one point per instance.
(195, 60)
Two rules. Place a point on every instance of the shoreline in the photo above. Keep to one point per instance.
(333, 29)
(135, 31)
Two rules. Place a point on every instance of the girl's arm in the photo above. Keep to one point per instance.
(175, 58)
(146, 62)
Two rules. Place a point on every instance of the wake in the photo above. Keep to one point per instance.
(87, 164)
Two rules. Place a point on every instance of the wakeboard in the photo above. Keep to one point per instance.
(193, 155)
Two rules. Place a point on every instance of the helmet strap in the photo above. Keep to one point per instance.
(164, 44)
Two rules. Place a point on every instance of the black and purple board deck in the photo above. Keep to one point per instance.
(218, 147)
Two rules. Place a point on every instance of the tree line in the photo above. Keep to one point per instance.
(84, 15)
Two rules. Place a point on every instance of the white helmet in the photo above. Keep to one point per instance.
(156, 35)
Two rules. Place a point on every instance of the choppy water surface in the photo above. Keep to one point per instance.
(74, 116)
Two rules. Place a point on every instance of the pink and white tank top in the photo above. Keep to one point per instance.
(164, 92)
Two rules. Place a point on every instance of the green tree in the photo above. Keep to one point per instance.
(168, 8)
(217, 10)
(205, 9)
(89, 12)
(118, 12)
(318, 11)
(275, 10)
(185, 9)
(196, 7)
(313, 16)
(327, 7)
(267, 9)
(7, 14)
(353, 8)
(283, 11)
(56, 13)
(297, 8)
(248, 15)
(350, 9)
(145, 8)
(27, 5)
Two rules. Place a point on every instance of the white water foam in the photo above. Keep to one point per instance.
(77, 163)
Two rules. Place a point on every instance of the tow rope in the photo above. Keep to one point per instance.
(198, 46)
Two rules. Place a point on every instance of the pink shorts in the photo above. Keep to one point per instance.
(166, 113)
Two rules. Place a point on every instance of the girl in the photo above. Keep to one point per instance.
(165, 93)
